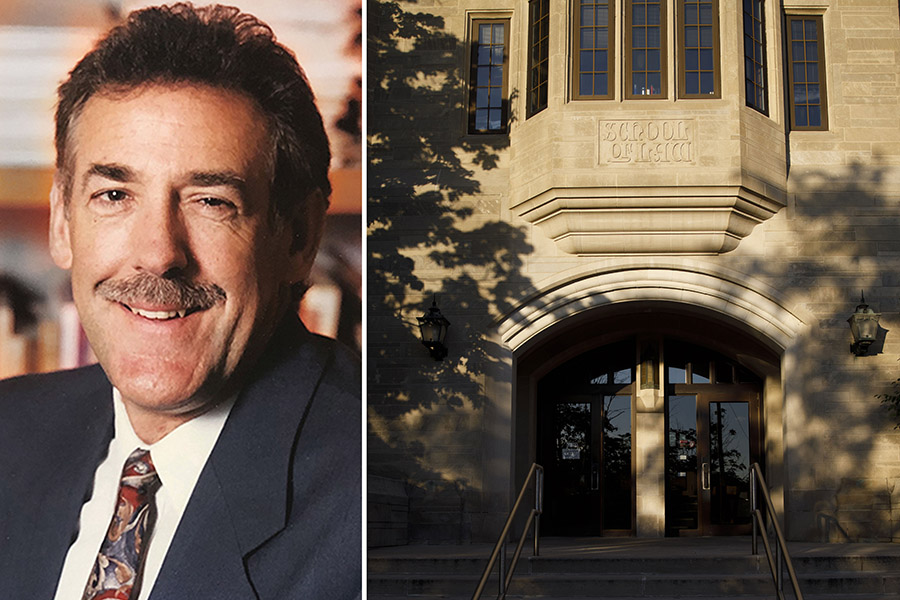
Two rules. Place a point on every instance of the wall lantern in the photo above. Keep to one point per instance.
(433, 328)
(863, 326)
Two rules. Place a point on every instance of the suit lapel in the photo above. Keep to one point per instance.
(243, 495)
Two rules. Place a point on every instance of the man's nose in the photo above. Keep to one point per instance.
(160, 242)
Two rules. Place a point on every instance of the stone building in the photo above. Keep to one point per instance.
(648, 223)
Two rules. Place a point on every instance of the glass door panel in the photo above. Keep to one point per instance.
(616, 460)
(712, 441)
(588, 486)
(682, 494)
(729, 463)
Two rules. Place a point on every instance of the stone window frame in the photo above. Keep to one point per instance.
(681, 49)
(475, 62)
(756, 74)
(611, 46)
(663, 54)
(538, 56)
(819, 70)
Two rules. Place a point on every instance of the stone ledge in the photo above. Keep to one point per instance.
(648, 220)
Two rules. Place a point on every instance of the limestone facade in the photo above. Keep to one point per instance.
(595, 221)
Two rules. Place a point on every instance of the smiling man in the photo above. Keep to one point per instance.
(215, 451)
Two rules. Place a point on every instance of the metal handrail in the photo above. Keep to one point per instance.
(782, 556)
(536, 472)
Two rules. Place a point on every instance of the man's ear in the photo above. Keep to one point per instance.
(307, 223)
(60, 241)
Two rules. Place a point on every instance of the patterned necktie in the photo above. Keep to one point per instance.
(118, 568)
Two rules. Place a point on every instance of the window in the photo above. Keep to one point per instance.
(698, 49)
(538, 54)
(755, 87)
(488, 80)
(593, 55)
(806, 57)
(645, 44)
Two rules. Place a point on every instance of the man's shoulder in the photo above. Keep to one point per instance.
(56, 387)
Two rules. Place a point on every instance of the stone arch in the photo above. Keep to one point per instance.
(576, 310)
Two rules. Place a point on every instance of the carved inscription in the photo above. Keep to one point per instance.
(656, 141)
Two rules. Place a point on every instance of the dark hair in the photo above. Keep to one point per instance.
(221, 47)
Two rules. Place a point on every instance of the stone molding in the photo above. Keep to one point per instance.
(756, 307)
(648, 220)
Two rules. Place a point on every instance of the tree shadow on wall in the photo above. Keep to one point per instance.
(841, 238)
(434, 231)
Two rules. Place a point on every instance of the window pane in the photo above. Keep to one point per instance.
(691, 83)
(706, 60)
(587, 61)
(691, 37)
(484, 34)
(707, 83)
(539, 26)
(602, 16)
(800, 94)
(810, 26)
(494, 120)
(815, 116)
(487, 93)
(654, 80)
(691, 60)
(653, 60)
(801, 116)
(812, 72)
(584, 85)
(706, 13)
(653, 38)
(481, 119)
(639, 37)
(481, 97)
(812, 51)
(639, 60)
(587, 16)
(690, 14)
(639, 15)
(706, 37)
(700, 372)
(600, 60)
(600, 84)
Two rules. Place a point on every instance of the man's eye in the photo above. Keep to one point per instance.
(216, 203)
(114, 195)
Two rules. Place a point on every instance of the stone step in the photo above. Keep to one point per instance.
(636, 585)
(492, 595)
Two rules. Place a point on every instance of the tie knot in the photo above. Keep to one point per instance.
(139, 473)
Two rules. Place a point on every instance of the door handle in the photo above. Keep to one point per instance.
(595, 476)
(704, 476)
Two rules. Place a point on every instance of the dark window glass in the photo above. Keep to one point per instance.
(807, 73)
(755, 86)
(487, 102)
(538, 55)
(645, 48)
(698, 46)
(593, 54)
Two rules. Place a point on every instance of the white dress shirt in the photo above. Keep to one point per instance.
(179, 457)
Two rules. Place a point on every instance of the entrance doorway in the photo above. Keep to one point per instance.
(585, 444)
(713, 433)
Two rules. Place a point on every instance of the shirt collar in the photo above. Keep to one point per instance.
(181, 454)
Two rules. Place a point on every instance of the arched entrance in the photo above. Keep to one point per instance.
(713, 433)
(647, 417)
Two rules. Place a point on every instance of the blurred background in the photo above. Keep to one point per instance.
(40, 41)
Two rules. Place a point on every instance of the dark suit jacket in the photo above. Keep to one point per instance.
(275, 514)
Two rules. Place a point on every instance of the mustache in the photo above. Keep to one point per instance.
(155, 290)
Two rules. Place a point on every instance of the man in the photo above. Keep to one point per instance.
(215, 452)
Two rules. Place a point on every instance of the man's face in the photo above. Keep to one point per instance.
(178, 271)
